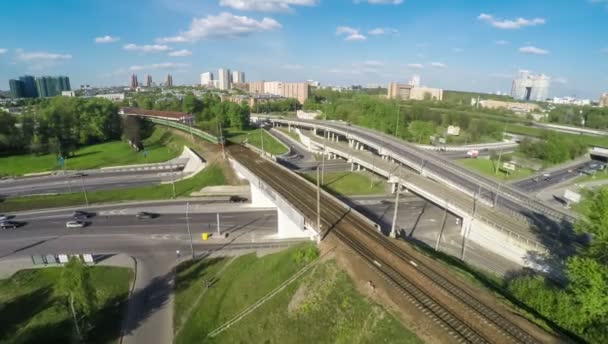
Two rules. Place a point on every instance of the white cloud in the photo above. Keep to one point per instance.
(380, 2)
(439, 65)
(148, 48)
(106, 39)
(40, 56)
(350, 34)
(292, 66)
(415, 65)
(156, 66)
(3, 51)
(533, 50)
(180, 53)
(382, 31)
(266, 5)
(223, 25)
(501, 42)
(510, 24)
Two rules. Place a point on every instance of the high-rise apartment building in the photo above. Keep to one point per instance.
(29, 86)
(207, 79)
(238, 77)
(604, 100)
(169, 81)
(530, 86)
(296, 90)
(17, 88)
(148, 80)
(223, 75)
(50, 86)
(134, 82)
(411, 92)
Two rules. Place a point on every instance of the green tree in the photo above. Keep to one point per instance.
(75, 286)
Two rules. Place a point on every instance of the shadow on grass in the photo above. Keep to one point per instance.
(74, 156)
(19, 310)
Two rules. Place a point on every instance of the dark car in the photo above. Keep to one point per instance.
(146, 215)
(8, 224)
(237, 199)
(80, 214)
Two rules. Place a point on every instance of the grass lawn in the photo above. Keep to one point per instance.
(253, 137)
(161, 146)
(322, 306)
(211, 175)
(32, 312)
(487, 167)
(292, 133)
(601, 141)
(350, 183)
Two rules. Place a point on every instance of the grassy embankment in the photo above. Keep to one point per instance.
(322, 306)
(31, 310)
(160, 146)
(488, 167)
(350, 183)
(253, 137)
(211, 175)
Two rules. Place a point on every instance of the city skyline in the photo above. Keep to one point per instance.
(474, 46)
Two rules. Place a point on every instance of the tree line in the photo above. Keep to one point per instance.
(59, 125)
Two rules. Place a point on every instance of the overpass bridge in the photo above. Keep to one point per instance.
(436, 167)
(178, 120)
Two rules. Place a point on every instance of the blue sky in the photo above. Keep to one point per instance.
(474, 45)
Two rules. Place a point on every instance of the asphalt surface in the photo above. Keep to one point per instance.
(540, 182)
(509, 199)
(90, 181)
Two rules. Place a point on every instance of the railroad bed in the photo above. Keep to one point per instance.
(456, 310)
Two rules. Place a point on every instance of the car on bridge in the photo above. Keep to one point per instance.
(146, 215)
(9, 225)
(81, 214)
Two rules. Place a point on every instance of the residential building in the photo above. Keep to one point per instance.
(134, 82)
(410, 92)
(49, 86)
(313, 83)
(68, 94)
(530, 86)
(169, 81)
(256, 87)
(148, 80)
(238, 77)
(223, 75)
(207, 79)
(570, 101)
(604, 100)
(112, 96)
(29, 86)
(499, 104)
(17, 88)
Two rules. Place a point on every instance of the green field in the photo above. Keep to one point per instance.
(32, 312)
(160, 146)
(253, 137)
(322, 306)
(601, 141)
(292, 133)
(350, 183)
(487, 167)
(211, 175)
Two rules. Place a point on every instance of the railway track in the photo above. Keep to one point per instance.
(461, 314)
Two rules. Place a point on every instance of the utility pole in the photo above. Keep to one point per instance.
(218, 224)
(318, 203)
(445, 217)
(262, 139)
(468, 229)
(393, 233)
(173, 184)
(323, 161)
(84, 191)
(188, 228)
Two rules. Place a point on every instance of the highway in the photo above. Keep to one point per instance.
(90, 181)
(540, 182)
(508, 198)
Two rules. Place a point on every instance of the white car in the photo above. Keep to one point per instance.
(75, 224)
(3, 217)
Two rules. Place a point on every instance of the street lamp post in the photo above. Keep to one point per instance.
(188, 228)
(84, 191)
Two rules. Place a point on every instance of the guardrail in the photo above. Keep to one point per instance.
(196, 132)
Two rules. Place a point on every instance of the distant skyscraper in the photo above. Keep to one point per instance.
(415, 80)
(134, 83)
(17, 88)
(223, 75)
(604, 100)
(238, 77)
(148, 80)
(169, 81)
(207, 79)
(50, 86)
(29, 86)
(530, 86)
